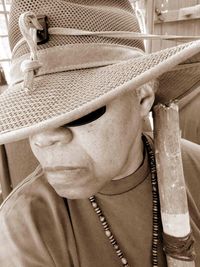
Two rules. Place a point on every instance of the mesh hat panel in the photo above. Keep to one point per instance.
(101, 16)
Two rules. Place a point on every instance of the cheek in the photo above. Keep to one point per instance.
(107, 148)
(110, 141)
(48, 156)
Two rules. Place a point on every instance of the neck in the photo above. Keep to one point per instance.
(134, 158)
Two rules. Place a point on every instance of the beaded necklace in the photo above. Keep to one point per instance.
(155, 208)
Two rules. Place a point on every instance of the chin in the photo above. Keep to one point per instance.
(76, 193)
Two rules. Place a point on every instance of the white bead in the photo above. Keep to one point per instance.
(102, 218)
(94, 204)
(124, 261)
(116, 247)
(108, 233)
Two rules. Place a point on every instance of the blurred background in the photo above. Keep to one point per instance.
(4, 45)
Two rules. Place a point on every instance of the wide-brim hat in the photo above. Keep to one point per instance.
(70, 58)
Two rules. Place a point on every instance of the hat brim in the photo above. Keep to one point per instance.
(59, 98)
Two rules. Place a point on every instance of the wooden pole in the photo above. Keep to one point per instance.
(171, 183)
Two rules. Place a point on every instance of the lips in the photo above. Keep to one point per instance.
(65, 174)
(61, 168)
(62, 177)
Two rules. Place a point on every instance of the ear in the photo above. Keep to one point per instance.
(146, 98)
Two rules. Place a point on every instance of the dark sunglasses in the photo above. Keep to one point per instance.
(87, 118)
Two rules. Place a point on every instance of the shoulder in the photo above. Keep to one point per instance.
(27, 216)
(191, 156)
(191, 168)
(190, 148)
(31, 201)
(34, 187)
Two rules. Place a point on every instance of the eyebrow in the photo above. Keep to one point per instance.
(87, 118)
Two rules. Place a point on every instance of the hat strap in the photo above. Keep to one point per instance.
(29, 25)
(118, 34)
(112, 34)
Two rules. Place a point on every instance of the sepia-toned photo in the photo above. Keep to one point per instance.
(99, 133)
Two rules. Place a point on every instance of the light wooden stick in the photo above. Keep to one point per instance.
(171, 183)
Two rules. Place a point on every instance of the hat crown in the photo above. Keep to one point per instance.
(89, 15)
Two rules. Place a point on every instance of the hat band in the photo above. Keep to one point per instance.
(73, 57)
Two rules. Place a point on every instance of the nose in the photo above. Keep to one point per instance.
(51, 137)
